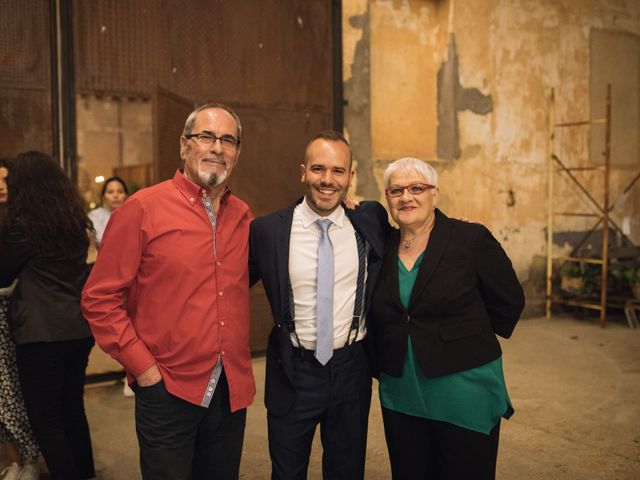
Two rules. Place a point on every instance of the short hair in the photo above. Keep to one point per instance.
(115, 178)
(411, 164)
(331, 136)
(191, 119)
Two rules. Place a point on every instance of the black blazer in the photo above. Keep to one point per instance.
(45, 306)
(465, 293)
(269, 261)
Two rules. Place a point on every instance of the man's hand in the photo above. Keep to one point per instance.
(149, 377)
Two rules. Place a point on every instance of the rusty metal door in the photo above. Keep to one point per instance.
(25, 79)
(169, 113)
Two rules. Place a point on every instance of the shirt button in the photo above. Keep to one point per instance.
(220, 293)
(222, 323)
(222, 352)
(192, 199)
(218, 263)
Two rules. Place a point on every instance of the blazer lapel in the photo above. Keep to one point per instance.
(391, 268)
(435, 248)
(359, 222)
(283, 237)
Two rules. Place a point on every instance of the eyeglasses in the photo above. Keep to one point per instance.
(413, 188)
(206, 139)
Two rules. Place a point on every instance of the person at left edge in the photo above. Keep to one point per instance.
(43, 245)
(168, 298)
(302, 388)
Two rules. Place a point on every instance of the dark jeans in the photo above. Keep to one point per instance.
(182, 441)
(336, 396)
(428, 449)
(52, 381)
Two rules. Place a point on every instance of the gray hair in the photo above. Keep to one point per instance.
(414, 165)
(191, 119)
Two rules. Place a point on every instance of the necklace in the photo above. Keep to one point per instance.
(407, 243)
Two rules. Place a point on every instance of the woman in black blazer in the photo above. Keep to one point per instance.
(447, 288)
(43, 244)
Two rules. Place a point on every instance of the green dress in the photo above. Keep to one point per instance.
(474, 399)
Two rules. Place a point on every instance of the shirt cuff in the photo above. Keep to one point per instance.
(136, 358)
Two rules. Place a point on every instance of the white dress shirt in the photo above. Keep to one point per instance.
(303, 265)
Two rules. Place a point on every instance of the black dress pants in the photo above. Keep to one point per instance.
(336, 396)
(182, 441)
(421, 449)
(52, 380)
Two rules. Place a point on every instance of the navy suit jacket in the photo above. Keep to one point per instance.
(269, 261)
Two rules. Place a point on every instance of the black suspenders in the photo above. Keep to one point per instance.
(358, 308)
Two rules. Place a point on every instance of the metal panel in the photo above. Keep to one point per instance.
(273, 142)
(169, 114)
(25, 121)
(24, 44)
(276, 56)
(118, 46)
(25, 112)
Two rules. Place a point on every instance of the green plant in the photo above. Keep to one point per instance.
(572, 270)
(630, 275)
(572, 281)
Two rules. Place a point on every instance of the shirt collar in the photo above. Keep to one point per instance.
(190, 190)
(309, 216)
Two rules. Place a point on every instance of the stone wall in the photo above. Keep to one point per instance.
(466, 85)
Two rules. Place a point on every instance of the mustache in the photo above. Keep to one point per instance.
(216, 159)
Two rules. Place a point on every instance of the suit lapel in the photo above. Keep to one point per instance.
(435, 248)
(359, 222)
(283, 237)
(369, 229)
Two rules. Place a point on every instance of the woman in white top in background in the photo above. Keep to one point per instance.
(114, 193)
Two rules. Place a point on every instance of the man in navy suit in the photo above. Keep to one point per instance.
(287, 250)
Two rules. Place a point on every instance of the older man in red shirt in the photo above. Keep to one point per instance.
(168, 298)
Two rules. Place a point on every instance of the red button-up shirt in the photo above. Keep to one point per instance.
(169, 288)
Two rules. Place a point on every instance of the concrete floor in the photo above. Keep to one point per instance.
(575, 388)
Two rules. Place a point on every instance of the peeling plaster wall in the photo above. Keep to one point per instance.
(514, 51)
(407, 40)
(357, 92)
